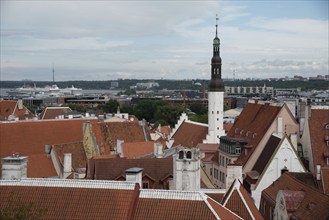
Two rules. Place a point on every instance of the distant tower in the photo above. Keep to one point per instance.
(215, 96)
(53, 74)
(187, 169)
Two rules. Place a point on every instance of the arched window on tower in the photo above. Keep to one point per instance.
(189, 155)
(181, 155)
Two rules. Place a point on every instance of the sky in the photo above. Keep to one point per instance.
(109, 40)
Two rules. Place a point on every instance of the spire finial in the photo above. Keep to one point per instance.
(216, 23)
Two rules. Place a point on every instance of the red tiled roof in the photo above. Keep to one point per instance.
(70, 203)
(255, 118)
(190, 134)
(156, 168)
(239, 201)
(53, 112)
(137, 149)
(315, 204)
(165, 130)
(107, 133)
(293, 199)
(216, 196)
(79, 158)
(30, 137)
(9, 107)
(227, 127)
(149, 208)
(40, 166)
(318, 120)
(208, 147)
(222, 211)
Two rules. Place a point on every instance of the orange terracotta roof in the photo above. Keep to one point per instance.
(54, 112)
(190, 134)
(239, 201)
(9, 107)
(107, 133)
(222, 211)
(165, 130)
(40, 166)
(29, 138)
(208, 147)
(315, 205)
(79, 158)
(227, 127)
(137, 149)
(317, 123)
(255, 119)
(216, 196)
(71, 203)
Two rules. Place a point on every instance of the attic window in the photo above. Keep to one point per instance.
(327, 126)
(181, 154)
(189, 155)
(236, 130)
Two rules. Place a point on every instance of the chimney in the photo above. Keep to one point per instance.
(67, 164)
(318, 172)
(47, 150)
(20, 104)
(134, 175)
(14, 167)
(234, 171)
(158, 150)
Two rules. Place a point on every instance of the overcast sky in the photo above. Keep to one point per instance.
(107, 40)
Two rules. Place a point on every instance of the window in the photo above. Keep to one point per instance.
(285, 169)
(145, 185)
(327, 160)
(181, 154)
(217, 112)
(327, 143)
(327, 126)
(238, 150)
(210, 171)
(189, 155)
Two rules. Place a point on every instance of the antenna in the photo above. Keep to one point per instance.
(53, 73)
(234, 75)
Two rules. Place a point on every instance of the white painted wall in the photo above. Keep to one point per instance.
(285, 156)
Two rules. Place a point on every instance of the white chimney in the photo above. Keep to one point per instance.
(67, 163)
(158, 150)
(20, 104)
(134, 175)
(14, 167)
(318, 172)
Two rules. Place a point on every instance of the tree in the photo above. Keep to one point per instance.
(110, 106)
(168, 113)
(198, 108)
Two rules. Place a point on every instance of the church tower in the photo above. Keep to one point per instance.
(215, 95)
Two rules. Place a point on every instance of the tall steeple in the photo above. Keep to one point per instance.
(215, 96)
(53, 73)
(216, 82)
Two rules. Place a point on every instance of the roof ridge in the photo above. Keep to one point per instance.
(69, 183)
(205, 197)
(171, 194)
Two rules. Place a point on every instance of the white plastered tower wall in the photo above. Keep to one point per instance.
(186, 164)
(215, 117)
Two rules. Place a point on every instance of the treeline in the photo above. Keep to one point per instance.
(125, 84)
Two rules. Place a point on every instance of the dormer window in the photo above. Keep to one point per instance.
(189, 155)
(327, 126)
(181, 155)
